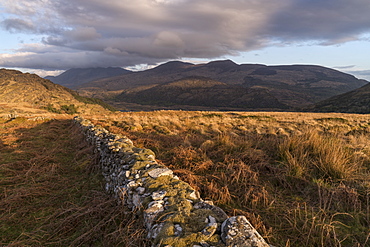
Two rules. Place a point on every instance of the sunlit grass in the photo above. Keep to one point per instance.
(302, 179)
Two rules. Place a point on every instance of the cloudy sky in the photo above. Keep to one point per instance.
(49, 36)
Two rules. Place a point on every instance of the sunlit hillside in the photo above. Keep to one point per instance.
(24, 92)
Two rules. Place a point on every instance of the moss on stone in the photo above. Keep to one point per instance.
(208, 212)
(143, 154)
(139, 165)
(179, 205)
(161, 182)
(188, 240)
(176, 217)
(167, 230)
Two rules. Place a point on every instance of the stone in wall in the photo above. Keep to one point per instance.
(237, 231)
(174, 213)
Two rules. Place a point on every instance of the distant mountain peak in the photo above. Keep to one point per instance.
(226, 62)
(222, 65)
(172, 65)
(74, 77)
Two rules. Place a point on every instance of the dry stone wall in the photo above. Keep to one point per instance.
(173, 211)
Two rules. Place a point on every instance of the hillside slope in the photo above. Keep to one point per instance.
(75, 77)
(292, 85)
(202, 91)
(31, 91)
(356, 101)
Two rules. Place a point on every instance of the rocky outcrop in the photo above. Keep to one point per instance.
(173, 211)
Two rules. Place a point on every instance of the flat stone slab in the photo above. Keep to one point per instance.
(237, 231)
(160, 172)
(158, 195)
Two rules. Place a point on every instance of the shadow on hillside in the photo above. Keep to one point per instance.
(25, 141)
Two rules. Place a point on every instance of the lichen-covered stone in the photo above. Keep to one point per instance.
(178, 230)
(209, 205)
(160, 172)
(140, 190)
(237, 231)
(154, 208)
(159, 195)
(209, 230)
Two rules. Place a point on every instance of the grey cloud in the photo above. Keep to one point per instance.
(82, 34)
(54, 40)
(363, 74)
(72, 59)
(39, 14)
(15, 25)
(345, 67)
(69, 37)
(329, 21)
(126, 32)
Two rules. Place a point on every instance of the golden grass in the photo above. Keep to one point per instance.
(321, 156)
(301, 178)
(50, 192)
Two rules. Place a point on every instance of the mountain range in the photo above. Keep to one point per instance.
(216, 85)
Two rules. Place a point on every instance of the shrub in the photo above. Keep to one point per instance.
(87, 100)
(69, 109)
(50, 108)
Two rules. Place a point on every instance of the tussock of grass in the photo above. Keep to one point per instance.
(319, 156)
(301, 179)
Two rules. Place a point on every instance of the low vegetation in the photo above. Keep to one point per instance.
(93, 101)
(302, 179)
(51, 194)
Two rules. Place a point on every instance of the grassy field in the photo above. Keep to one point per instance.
(302, 179)
(51, 194)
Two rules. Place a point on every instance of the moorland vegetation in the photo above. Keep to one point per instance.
(302, 179)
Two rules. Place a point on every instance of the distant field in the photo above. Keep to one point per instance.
(302, 179)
